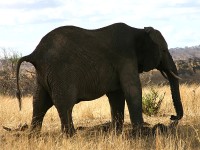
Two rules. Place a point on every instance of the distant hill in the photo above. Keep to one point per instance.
(185, 53)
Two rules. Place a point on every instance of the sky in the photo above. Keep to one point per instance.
(24, 22)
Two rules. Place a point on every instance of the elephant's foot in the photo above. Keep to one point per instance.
(69, 132)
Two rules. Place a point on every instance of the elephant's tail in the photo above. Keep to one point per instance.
(18, 93)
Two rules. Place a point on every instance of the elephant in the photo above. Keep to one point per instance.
(75, 64)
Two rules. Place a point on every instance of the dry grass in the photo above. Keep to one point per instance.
(90, 114)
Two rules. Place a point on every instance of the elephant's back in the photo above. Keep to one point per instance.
(66, 43)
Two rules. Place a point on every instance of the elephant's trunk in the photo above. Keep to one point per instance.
(168, 67)
(174, 85)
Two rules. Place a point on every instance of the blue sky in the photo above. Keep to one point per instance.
(24, 22)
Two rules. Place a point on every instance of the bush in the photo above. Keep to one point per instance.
(151, 102)
(8, 64)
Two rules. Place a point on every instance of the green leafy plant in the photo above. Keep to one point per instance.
(151, 102)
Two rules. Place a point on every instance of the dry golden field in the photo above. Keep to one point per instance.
(90, 114)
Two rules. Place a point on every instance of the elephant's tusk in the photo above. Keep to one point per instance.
(175, 75)
(164, 75)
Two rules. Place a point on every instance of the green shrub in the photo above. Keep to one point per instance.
(151, 102)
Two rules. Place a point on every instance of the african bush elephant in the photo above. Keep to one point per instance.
(75, 64)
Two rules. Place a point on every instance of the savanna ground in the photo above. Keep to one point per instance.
(88, 115)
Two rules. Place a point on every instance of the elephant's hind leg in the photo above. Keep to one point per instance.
(67, 125)
(117, 103)
(65, 115)
(41, 103)
(64, 102)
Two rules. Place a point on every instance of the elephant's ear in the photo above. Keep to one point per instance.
(157, 37)
(155, 46)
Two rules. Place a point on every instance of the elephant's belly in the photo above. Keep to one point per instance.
(89, 97)
(94, 91)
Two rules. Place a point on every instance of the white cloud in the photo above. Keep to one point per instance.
(34, 18)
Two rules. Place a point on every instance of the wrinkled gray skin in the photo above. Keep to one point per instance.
(75, 64)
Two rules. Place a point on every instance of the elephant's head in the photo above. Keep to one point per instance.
(155, 54)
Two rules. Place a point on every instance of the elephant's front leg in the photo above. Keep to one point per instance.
(117, 103)
(131, 86)
(133, 97)
(41, 103)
